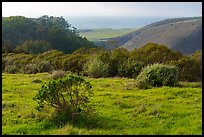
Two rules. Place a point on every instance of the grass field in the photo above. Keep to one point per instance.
(120, 108)
(97, 34)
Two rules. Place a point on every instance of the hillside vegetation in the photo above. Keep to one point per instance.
(94, 62)
(37, 35)
(120, 108)
(56, 82)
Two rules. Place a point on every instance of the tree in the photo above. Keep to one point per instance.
(154, 53)
(34, 47)
(190, 69)
(54, 30)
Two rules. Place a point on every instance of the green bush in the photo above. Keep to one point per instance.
(130, 69)
(74, 63)
(12, 69)
(96, 68)
(142, 82)
(68, 94)
(44, 66)
(189, 68)
(158, 75)
(31, 69)
(15, 63)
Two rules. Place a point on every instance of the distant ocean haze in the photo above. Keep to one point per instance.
(92, 22)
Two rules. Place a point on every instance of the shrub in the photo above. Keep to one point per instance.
(69, 94)
(15, 63)
(44, 66)
(31, 68)
(74, 63)
(97, 68)
(158, 75)
(189, 68)
(11, 69)
(142, 82)
(130, 68)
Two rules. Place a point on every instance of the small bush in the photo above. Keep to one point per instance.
(142, 82)
(157, 75)
(97, 68)
(130, 69)
(30, 69)
(69, 95)
(11, 69)
(44, 66)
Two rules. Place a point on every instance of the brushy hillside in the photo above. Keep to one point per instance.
(180, 34)
(120, 108)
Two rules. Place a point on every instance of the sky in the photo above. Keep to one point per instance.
(155, 9)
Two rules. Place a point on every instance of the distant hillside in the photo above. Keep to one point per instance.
(180, 34)
(28, 34)
(103, 33)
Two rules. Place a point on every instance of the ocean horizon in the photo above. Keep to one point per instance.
(93, 22)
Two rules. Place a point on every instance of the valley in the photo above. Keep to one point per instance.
(97, 68)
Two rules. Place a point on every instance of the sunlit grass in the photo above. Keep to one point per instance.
(97, 34)
(120, 108)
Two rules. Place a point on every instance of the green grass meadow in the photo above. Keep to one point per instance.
(120, 108)
(97, 34)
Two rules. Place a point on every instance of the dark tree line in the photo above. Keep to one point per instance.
(19, 31)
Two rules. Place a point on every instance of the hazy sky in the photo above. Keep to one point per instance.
(37, 9)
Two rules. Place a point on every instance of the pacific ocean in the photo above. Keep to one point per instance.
(116, 22)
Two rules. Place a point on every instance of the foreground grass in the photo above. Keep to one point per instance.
(121, 108)
(97, 34)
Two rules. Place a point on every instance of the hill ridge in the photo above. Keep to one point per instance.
(177, 33)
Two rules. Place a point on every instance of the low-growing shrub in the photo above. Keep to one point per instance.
(189, 68)
(130, 69)
(97, 68)
(12, 69)
(30, 69)
(142, 82)
(44, 66)
(69, 94)
(157, 75)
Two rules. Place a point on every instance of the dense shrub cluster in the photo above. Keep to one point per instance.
(157, 75)
(96, 62)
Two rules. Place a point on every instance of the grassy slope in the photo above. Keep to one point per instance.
(121, 108)
(97, 34)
